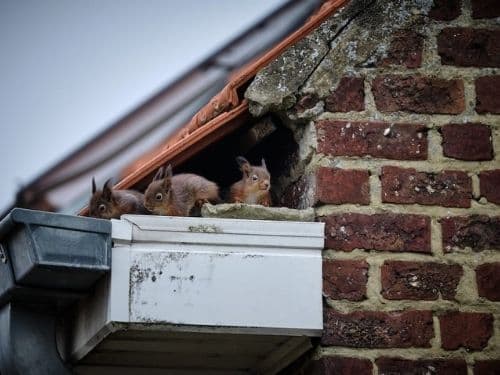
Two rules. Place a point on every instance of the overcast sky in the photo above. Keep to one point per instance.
(68, 68)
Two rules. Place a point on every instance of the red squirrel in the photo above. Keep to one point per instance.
(111, 204)
(254, 186)
(177, 195)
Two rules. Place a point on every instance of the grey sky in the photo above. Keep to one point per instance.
(69, 68)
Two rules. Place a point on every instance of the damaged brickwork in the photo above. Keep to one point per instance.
(395, 108)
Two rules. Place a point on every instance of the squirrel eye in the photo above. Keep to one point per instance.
(102, 207)
(254, 177)
(159, 196)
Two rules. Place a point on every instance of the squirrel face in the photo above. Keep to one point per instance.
(103, 204)
(158, 193)
(256, 179)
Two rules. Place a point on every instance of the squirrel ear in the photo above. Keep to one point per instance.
(168, 171)
(244, 164)
(94, 188)
(106, 189)
(263, 163)
(159, 174)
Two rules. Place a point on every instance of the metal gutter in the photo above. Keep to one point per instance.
(47, 262)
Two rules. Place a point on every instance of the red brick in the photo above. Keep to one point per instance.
(469, 47)
(345, 279)
(405, 49)
(397, 366)
(385, 232)
(340, 366)
(445, 10)
(348, 96)
(489, 182)
(488, 281)
(339, 186)
(419, 280)
(488, 94)
(418, 94)
(485, 9)
(378, 139)
(306, 102)
(468, 330)
(479, 232)
(374, 329)
(487, 367)
(468, 141)
(406, 186)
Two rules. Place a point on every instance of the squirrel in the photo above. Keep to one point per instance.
(254, 186)
(177, 195)
(111, 204)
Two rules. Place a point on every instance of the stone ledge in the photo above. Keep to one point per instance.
(256, 212)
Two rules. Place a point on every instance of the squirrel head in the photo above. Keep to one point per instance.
(159, 191)
(103, 204)
(255, 178)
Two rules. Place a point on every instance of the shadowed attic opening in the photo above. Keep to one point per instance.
(264, 137)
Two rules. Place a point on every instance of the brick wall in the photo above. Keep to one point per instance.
(401, 158)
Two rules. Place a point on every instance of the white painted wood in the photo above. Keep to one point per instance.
(207, 275)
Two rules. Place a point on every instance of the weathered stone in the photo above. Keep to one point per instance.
(419, 280)
(469, 141)
(345, 279)
(471, 331)
(445, 10)
(378, 139)
(488, 94)
(348, 96)
(406, 186)
(393, 366)
(469, 47)
(374, 329)
(418, 94)
(257, 212)
(275, 87)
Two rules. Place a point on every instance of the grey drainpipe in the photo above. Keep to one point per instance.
(47, 262)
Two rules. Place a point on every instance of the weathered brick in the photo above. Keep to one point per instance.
(339, 186)
(340, 366)
(406, 186)
(418, 94)
(488, 94)
(398, 366)
(469, 47)
(348, 96)
(479, 232)
(385, 232)
(489, 182)
(485, 8)
(419, 280)
(487, 367)
(405, 49)
(488, 280)
(374, 329)
(378, 139)
(306, 102)
(470, 141)
(468, 330)
(345, 279)
(445, 10)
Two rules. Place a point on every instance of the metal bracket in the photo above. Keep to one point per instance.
(3, 254)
